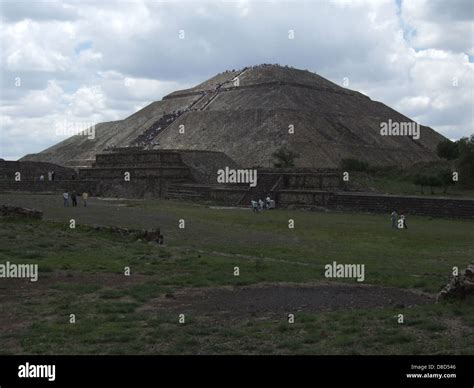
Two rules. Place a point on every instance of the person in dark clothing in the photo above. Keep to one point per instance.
(394, 217)
(74, 199)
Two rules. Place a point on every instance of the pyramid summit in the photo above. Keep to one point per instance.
(250, 113)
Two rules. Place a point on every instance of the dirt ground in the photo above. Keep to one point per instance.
(233, 300)
(286, 298)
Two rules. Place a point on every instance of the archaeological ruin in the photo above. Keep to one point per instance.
(173, 148)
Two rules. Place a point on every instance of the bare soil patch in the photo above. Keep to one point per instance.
(286, 298)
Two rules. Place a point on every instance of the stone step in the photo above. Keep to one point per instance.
(182, 192)
(183, 196)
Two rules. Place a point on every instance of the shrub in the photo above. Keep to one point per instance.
(428, 181)
(422, 181)
(284, 158)
(446, 179)
(350, 164)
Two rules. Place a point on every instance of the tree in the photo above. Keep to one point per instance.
(430, 181)
(434, 181)
(422, 181)
(446, 179)
(350, 164)
(465, 162)
(446, 149)
(284, 158)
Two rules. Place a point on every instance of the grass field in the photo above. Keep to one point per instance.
(81, 273)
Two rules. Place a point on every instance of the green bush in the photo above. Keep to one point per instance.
(351, 164)
(422, 181)
(446, 179)
(442, 179)
(284, 158)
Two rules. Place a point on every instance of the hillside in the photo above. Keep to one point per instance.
(249, 121)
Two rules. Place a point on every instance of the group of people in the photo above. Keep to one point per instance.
(258, 206)
(73, 197)
(398, 223)
(166, 120)
(51, 174)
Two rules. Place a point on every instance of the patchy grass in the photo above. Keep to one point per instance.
(82, 274)
(117, 328)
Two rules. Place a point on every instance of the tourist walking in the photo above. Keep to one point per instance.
(254, 205)
(66, 198)
(85, 195)
(74, 199)
(394, 217)
(403, 221)
(260, 204)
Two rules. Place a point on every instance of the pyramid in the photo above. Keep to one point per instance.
(250, 113)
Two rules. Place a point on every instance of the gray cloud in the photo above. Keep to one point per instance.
(15, 10)
(100, 61)
(452, 11)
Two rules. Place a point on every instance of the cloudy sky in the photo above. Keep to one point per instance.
(90, 61)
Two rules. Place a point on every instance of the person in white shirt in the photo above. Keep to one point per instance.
(66, 198)
(404, 221)
(267, 200)
(254, 205)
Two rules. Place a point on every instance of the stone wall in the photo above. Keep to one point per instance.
(283, 182)
(104, 173)
(205, 164)
(135, 158)
(362, 202)
(151, 171)
(15, 211)
(228, 195)
(33, 170)
(136, 188)
(378, 203)
(304, 198)
(314, 181)
(57, 186)
(435, 207)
